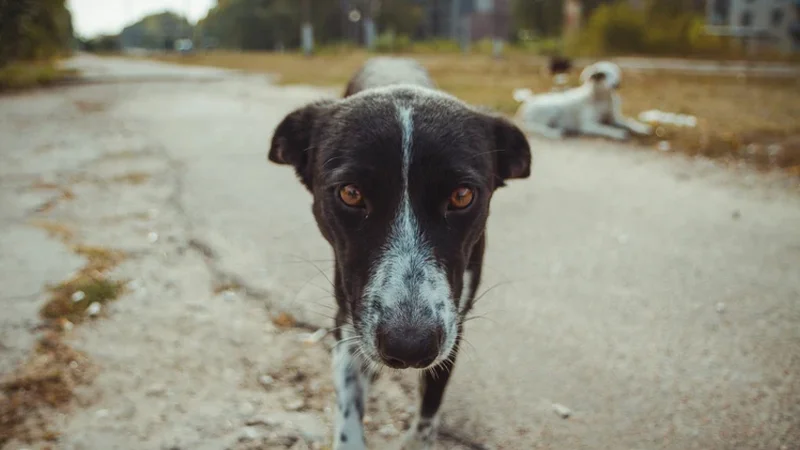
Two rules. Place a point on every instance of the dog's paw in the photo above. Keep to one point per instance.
(644, 129)
(421, 436)
(412, 441)
(620, 135)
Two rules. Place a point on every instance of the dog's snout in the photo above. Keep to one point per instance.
(404, 345)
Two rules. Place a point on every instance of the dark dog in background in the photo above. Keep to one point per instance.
(402, 176)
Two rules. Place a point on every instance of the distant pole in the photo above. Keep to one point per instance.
(308, 29)
(497, 40)
(455, 16)
(369, 25)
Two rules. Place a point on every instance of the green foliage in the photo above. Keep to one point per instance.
(661, 28)
(33, 30)
(21, 75)
(542, 18)
(390, 42)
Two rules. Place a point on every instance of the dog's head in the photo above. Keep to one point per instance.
(402, 178)
(604, 72)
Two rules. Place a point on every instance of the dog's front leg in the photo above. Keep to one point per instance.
(631, 124)
(598, 129)
(351, 379)
(423, 431)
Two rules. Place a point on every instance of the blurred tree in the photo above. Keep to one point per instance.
(155, 31)
(267, 24)
(541, 17)
(34, 29)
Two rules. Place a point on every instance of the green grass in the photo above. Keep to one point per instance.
(26, 75)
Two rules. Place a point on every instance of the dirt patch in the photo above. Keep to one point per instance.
(47, 380)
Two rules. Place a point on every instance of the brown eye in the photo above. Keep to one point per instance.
(461, 198)
(351, 196)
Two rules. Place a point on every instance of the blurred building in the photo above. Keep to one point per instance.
(471, 20)
(763, 23)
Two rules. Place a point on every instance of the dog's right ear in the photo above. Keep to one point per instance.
(291, 142)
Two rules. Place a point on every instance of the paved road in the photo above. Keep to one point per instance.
(657, 298)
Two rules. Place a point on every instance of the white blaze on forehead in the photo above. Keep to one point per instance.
(407, 275)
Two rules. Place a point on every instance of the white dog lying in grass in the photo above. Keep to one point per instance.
(591, 109)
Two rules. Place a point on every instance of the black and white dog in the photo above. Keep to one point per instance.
(402, 175)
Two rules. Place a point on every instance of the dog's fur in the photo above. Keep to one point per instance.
(594, 108)
(406, 266)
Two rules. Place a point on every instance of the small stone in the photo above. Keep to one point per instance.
(266, 380)
(66, 325)
(229, 296)
(367, 420)
(152, 237)
(388, 430)
(93, 309)
(315, 337)
(720, 307)
(73, 365)
(78, 296)
(294, 405)
(248, 434)
(562, 410)
(664, 146)
(101, 413)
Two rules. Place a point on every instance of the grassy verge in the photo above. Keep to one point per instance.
(18, 76)
(751, 119)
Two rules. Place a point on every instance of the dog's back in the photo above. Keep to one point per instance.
(385, 71)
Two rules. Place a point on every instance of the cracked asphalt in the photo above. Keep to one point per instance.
(656, 297)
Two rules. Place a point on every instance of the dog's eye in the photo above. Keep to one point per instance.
(461, 198)
(351, 196)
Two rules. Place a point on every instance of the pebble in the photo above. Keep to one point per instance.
(294, 405)
(93, 309)
(229, 296)
(720, 307)
(664, 146)
(248, 434)
(313, 338)
(78, 296)
(562, 410)
(152, 237)
(388, 430)
(101, 413)
(266, 380)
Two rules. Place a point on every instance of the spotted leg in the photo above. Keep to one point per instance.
(351, 379)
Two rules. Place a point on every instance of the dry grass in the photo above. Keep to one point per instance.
(733, 112)
(55, 230)
(70, 299)
(46, 380)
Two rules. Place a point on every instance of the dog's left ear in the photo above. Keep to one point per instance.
(512, 152)
(292, 140)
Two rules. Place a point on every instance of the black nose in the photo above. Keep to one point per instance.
(402, 347)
